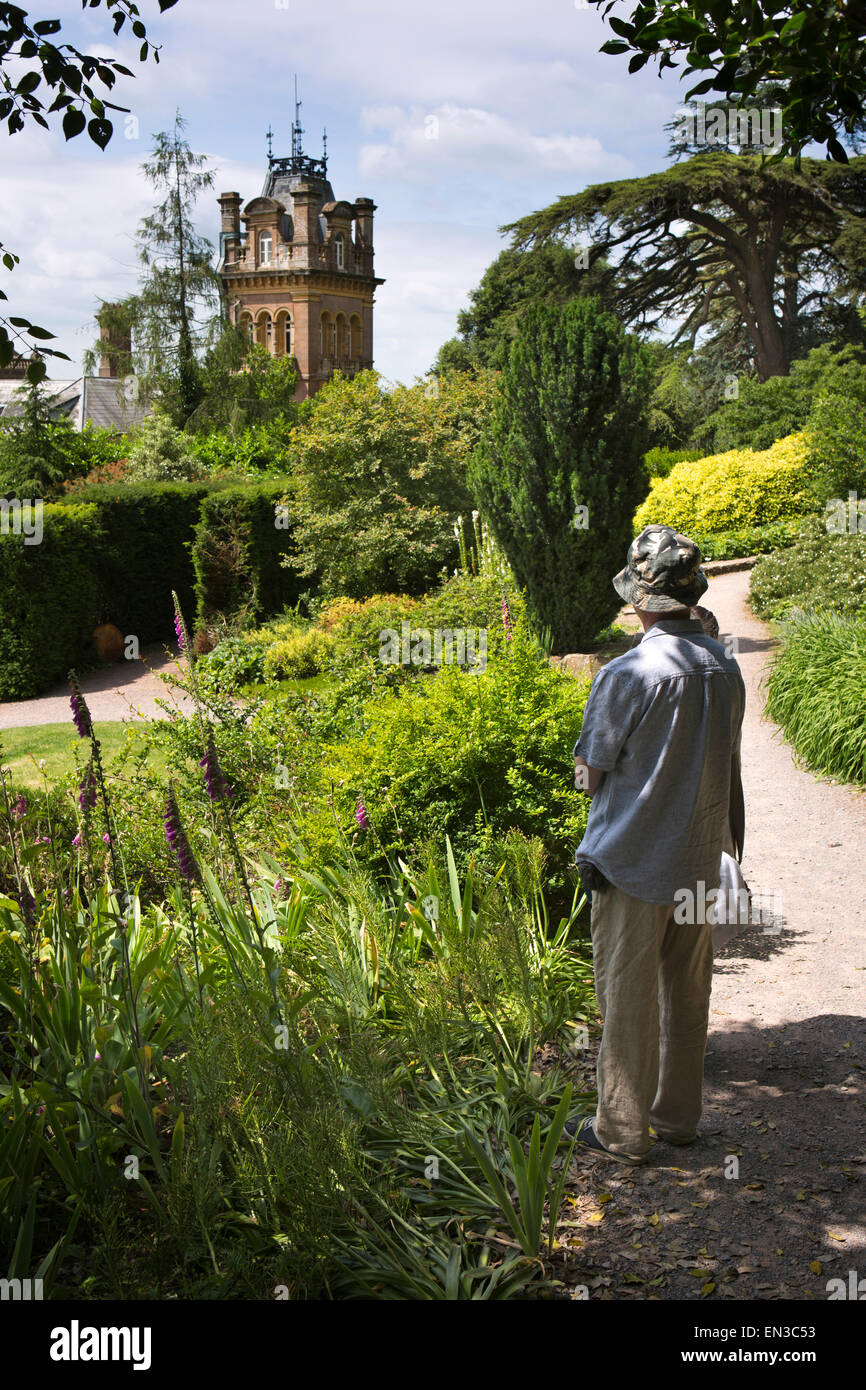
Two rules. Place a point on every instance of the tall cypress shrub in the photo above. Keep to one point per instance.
(568, 433)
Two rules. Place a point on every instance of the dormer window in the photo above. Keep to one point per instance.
(341, 251)
(266, 246)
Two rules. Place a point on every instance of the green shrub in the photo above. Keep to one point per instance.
(463, 601)
(49, 599)
(660, 461)
(298, 655)
(817, 693)
(836, 431)
(235, 661)
(731, 492)
(378, 478)
(765, 411)
(568, 432)
(469, 600)
(748, 540)
(160, 453)
(238, 550)
(260, 448)
(466, 753)
(821, 571)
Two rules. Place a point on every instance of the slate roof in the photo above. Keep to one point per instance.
(105, 401)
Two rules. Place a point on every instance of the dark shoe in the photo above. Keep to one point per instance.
(582, 1131)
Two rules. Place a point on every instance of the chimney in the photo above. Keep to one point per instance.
(306, 202)
(230, 225)
(116, 355)
(364, 209)
(16, 368)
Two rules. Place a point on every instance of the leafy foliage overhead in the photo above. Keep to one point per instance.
(70, 74)
(729, 242)
(817, 50)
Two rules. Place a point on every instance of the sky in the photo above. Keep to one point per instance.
(455, 117)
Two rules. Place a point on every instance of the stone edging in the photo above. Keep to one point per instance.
(746, 562)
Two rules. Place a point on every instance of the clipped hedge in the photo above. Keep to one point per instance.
(237, 552)
(147, 531)
(113, 553)
(49, 599)
(733, 493)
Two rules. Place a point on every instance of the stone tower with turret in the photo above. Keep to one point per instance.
(298, 277)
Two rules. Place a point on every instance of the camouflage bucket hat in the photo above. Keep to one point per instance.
(663, 571)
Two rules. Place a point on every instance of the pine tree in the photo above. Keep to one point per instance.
(560, 469)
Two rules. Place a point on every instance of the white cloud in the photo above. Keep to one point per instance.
(429, 270)
(450, 136)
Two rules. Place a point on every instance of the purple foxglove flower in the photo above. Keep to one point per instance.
(361, 815)
(87, 789)
(107, 839)
(27, 903)
(180, 627)
(506, 618)
(19, 808)
(176, 837)
(77, 841)
(217, 786)
(80, 712)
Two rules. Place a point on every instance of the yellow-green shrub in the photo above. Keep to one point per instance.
(338, 612)
(299, 654)
(732, 491)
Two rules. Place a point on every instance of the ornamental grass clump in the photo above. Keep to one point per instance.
(817, 692)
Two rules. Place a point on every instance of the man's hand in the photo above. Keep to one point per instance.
(586, 778)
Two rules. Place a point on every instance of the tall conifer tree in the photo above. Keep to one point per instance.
(560, 469)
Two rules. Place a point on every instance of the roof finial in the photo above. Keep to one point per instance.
(325, 150)
(270, 135)
(297, 128)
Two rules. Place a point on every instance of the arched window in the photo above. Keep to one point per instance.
(340, 245)
(329, 336)
(264, 332)
(246, 326)
(342, 336)
(283, 334)
(357, 337)
(266, 246)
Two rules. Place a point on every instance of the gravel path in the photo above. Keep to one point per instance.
(126, 690)
(770, 1203)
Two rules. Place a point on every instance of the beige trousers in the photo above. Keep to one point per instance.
(652, 978)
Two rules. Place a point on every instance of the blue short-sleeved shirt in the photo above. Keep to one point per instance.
(662, 722)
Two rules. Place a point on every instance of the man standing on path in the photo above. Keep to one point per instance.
(659, 752)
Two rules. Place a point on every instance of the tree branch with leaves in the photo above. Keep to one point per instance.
(70, 77)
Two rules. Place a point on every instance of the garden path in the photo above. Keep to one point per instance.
(126, 690)
(784, 1089)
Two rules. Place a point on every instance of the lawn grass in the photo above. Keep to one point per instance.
(22, 749)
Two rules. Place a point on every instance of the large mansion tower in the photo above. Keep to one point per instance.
(299, 277)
